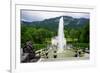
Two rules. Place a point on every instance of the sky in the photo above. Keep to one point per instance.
(31, 16)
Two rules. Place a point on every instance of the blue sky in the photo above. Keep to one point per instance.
(30, 16)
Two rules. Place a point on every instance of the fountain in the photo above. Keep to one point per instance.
(59, 40)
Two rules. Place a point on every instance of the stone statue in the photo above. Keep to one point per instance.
(30, 51)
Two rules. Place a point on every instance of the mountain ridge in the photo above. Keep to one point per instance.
(52, 23)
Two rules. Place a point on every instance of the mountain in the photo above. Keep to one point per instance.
(52, 23)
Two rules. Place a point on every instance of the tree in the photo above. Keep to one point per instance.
(84, 36)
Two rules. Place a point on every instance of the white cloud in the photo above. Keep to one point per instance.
(41, 15)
